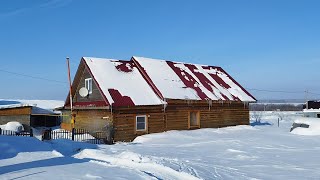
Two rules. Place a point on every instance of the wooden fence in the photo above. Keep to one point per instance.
(13, 133)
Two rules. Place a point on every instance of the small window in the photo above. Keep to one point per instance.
(88, 85)
(141, 123)
(194, 120)
(318, 115)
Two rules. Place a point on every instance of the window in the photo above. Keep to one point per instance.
(141, 123)
(194, 119)
(318, 115)
(88, 85)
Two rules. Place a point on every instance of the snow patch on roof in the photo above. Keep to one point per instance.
(166, 80)
(197, 82)
(124, 80)
(192, 81)
(38, 106)
(44, 104)
(218, 90)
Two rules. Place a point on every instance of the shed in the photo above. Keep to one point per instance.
(32, 113)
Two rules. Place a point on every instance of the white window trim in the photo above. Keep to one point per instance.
(145, 123)
(87, 81)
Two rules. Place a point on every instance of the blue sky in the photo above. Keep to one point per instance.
(263, 44)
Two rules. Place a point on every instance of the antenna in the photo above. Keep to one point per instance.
(83, 92)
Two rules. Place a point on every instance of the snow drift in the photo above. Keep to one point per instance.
(312, 129)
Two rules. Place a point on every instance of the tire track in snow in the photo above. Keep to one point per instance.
(223, 172)
(175, 162)
(136, 162)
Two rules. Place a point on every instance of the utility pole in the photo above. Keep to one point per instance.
(306, 98)
(70, 93)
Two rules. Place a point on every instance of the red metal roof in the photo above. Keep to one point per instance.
(202, 82)
(144, 81)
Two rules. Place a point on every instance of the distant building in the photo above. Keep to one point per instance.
(28, 114)
(312, 109)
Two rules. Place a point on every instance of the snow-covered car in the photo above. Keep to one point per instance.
(306, 126)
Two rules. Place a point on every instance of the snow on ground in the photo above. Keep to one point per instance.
(239, 152)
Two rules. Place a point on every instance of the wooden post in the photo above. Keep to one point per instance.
(278, 122)
(69, 78)
(72, 134)
(70, 93)
(0, 131)
(31, 132)
(50, 134)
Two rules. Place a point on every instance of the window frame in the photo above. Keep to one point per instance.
(198, 119)
(88, 81)
(145, 123)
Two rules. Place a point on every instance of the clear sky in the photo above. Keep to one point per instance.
(263, 44)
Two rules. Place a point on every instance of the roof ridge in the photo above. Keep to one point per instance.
(155, 59)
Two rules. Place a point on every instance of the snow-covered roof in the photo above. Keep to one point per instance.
(177, 80)
(9, 106)
(311, 110)
(38, 106)
(121, 82)
(145, 81)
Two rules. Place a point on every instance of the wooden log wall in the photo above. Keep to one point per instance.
(19, 114)
(23, 119)
(124, 121)
(124, 127)
(177, 120)
(175, 117)
(92, 120)
(15, 111)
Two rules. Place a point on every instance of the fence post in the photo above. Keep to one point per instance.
(73, 132)
(278, 122)
(50, 134)
(0, 131)
(31, 132)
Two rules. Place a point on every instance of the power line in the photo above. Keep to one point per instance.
(313, 93)
(276, 91)
(63, 82)
(31, 76)
(288, 92)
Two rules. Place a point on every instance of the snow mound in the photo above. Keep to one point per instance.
(133, 161)
(312, 130)
(134, 157)
(10, 146)
(67, 147)
(12, 126)
(189, 136)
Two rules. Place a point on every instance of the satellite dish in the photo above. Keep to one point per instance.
(83, 92)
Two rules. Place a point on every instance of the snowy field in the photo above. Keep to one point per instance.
(242, 152)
